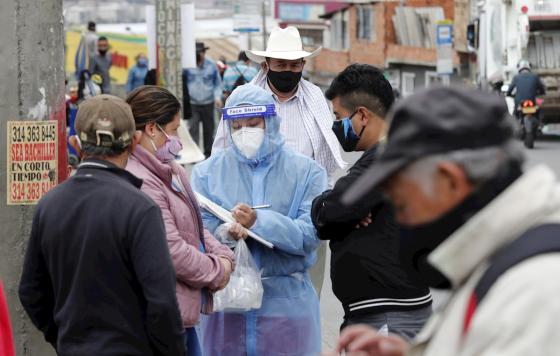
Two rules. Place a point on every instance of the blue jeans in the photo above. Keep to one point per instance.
(192, 346)
(406, 323)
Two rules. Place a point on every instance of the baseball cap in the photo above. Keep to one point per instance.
(436, 121)
(105, 120)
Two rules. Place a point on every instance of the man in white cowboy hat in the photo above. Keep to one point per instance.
(306, 118)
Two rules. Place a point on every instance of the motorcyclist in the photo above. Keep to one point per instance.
(527, 85)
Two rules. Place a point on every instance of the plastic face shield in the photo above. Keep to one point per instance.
(245, 111)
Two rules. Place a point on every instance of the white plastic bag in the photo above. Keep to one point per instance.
(244, 290)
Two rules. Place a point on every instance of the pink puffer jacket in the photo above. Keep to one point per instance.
(196, 271)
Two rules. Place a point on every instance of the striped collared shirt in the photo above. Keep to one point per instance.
(291, 125)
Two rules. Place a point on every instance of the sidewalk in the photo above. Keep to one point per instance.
(331, 311)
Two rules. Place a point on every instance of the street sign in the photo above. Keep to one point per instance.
(444, 41)
(444, 34)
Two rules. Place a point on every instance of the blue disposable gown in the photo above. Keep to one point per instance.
(288, 322)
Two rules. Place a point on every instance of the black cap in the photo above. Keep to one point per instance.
(436, 121)
(200, 47)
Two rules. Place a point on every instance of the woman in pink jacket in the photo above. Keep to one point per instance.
(202, 264)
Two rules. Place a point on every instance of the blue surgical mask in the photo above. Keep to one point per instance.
(142, 62)
(345, 133)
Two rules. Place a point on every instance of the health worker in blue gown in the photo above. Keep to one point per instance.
(258, 169)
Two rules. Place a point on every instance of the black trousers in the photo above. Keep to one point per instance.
(203, 114)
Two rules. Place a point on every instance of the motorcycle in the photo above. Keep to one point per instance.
(529, 122)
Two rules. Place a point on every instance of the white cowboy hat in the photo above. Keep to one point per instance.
(283, 43)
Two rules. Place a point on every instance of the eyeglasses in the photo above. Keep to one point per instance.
(285, 66)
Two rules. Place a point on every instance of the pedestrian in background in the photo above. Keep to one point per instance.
(222, 65)
(91, 37)
(87, 49)
(205, 90)
(97, 277)
(101, 64)
(151, 77)
(137, 74)
(238, 74)
(187, 108)
(258, 169)
(202, 264)
(366, 272)
(471, 222)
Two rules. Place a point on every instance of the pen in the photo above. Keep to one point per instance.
(261, 206)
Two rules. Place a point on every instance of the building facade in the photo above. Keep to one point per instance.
(399, 39)
(306, 16)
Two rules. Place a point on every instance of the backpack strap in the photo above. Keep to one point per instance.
(241, 75)
(534, 242)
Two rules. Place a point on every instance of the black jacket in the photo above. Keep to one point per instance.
(527, 86)
(98, 278)
(365, 269)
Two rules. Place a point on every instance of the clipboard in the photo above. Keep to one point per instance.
(226, 216)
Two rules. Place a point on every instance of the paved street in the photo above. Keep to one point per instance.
(547, 150)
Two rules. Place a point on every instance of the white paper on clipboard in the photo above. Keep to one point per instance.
(226, 216)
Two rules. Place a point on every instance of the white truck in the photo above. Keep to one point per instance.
(508, 31)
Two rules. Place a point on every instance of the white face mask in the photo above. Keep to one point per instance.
(248, 140)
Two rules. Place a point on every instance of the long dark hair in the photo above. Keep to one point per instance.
(151, 103)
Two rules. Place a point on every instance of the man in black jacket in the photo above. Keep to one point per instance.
(366, 273)
(98, 278)
(526, 85)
